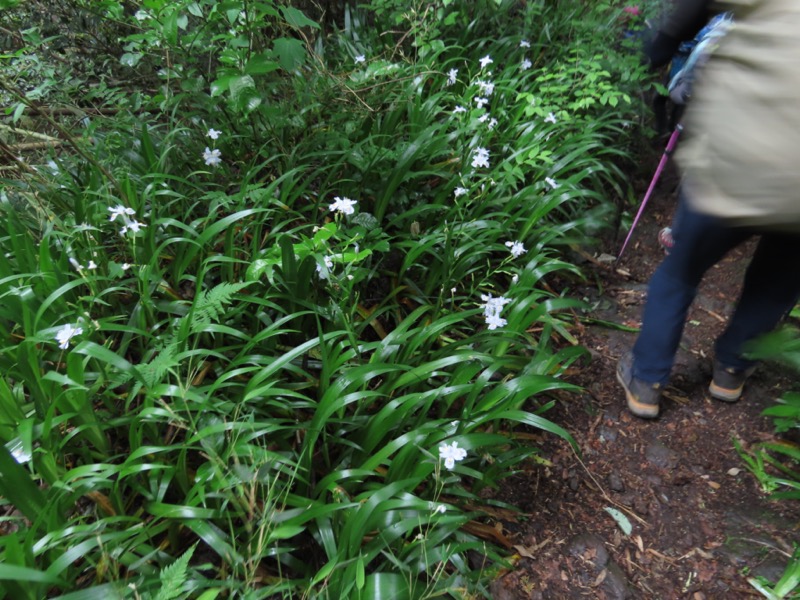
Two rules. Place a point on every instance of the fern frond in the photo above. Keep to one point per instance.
(173, 577)
(208, 305)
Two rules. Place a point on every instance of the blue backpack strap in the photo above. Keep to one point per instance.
(703, 44)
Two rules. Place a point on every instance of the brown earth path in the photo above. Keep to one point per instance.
(701, 523)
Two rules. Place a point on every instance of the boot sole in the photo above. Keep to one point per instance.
(725, 394)
(639, 409)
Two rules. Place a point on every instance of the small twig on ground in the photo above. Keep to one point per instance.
(603, 492)
(718, 317)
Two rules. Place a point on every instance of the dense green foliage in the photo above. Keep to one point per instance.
(776, 464)
(222, 377)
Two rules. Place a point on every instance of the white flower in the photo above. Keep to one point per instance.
(524, 44)
(126, 266)
(451, 76)
(441, 508)
(492, 123)
(551, 118)
(213, 133)
(459, 109)
(515, 279)
(487, 87)
(134, 226)
(141, 15)
(120, 211)
(495, 321)
(324, 271)
(484, 117)
(517, 249)
(493, 306)
(65, 334)
(75, 264)
(343, 205)
(526, 64)
(551, 182)
(486, 61)
(481, 101)
(460, 191)
(360, 58)
(92, 265)
(212, 157)
(481, 158)
(451, 454)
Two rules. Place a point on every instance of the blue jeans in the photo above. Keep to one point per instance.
(771, 288)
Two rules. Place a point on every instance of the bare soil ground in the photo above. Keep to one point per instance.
(701, 523)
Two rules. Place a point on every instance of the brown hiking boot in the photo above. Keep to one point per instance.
(643, 398)
(728, 383)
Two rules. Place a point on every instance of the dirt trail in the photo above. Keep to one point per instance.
(701, 524)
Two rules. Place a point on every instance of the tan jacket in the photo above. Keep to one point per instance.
(741, 156)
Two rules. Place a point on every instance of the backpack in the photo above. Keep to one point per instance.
(693, 54)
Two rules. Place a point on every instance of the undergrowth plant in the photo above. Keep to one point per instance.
(776, 464)
(278, 317)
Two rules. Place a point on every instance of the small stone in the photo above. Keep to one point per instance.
(615, 483)
(661, 456)
(607, 434)
(589, 545)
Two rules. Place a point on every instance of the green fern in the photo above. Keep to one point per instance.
(153, 371)
(173, 577)
(208, 305)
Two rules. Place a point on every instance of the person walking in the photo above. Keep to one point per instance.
(740, 179)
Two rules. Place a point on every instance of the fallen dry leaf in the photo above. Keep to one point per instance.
(600, 578)
(487, 532)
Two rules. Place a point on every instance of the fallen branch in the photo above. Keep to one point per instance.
(34, 145)
(33, 134)
(69, 139)
(74, 110)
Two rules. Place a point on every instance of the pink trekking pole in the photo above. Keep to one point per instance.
(673, 141)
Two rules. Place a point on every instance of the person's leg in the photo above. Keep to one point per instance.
(771, 288)
(700, 242)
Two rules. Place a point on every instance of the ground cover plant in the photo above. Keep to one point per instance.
(776, 465)
(276, 301)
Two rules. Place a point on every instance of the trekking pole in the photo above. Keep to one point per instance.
(673, 141)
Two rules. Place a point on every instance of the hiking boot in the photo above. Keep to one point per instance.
(727, 383)
(643, 398)
(665, 239)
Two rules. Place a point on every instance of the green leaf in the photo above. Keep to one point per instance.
(170, 28)
(623, 521)
(297, 18)
(790, 579)
(291, 53)
(244, 94)
(260, 64)
(16, 573)
(131, 59)
(18, 488)
(107, 591)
